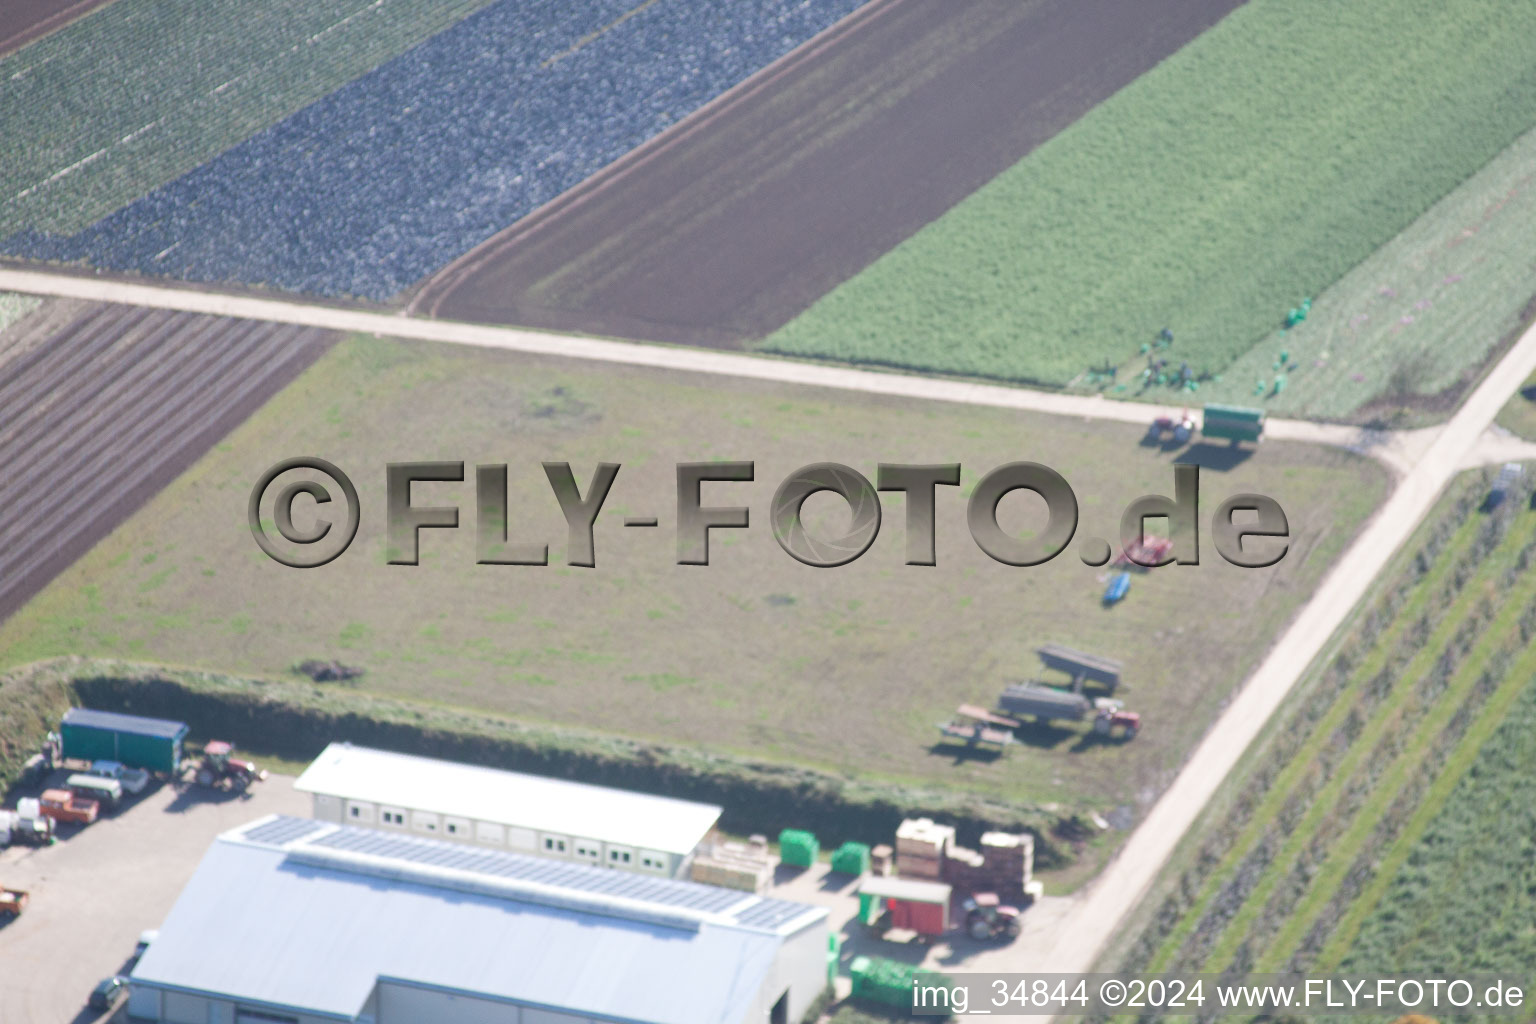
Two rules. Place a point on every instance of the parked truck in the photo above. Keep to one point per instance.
(154, 744)
(106, 792)
(1048, 704)
(62, 805)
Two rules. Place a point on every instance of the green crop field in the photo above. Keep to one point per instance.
(1399, 336)
(845, 669)
(1255, 167)
(116, 104)
(1367, 831)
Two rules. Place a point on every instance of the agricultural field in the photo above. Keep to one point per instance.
(1209, 197)
(1385, 824)
(117, 104)
(846, 670)
(724, 230)
(387, 178)
(1399, 337)
(102, 405)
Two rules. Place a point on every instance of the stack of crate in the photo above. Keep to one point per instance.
(921, 847)
(1003, 864)
(734, 865)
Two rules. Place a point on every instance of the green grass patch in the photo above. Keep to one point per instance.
(1519, 414)
(1256, 166)
(139, 92)
(13, 307)
(840, 670)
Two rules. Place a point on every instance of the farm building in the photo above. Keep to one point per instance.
(296, 921)
(506, 810)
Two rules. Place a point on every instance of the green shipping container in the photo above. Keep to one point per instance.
(851, 859)
(154, 744)
(798, 849)
(1233, 422)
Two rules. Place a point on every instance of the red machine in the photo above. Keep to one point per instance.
(1144, 553)
(987, 917)
(221, 770)
(923, 908)
(62, 805)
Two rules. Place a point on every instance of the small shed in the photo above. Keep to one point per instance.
(915, 904)
(154, 744)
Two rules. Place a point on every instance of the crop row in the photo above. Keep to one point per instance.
(1209, 196)
(1302, 755)
(1339, 782)
(142, 91)
(395, 174)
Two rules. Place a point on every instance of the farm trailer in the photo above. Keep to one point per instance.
(1080, 666)
(1232, 423)
(153, 744)
(1046, 704)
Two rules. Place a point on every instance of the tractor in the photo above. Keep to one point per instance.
(219, 770)
(1110, 715)
(986, 917)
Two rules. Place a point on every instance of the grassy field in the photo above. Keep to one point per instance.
(1350, 842)
(1209, 196)
(845, 670)
(13, 307)
(1519, 413)
(117, 103)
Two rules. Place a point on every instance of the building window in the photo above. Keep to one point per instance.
(356, 813)
(453, 829)
(554, 845)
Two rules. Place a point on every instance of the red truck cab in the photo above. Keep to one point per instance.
(62, 805)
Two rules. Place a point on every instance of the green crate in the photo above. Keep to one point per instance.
(797, 848)
(851, 859)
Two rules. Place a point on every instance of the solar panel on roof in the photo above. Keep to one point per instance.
(770, 913)
(282, 830)
(528, 868)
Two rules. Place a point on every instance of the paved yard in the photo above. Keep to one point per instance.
(955, 953)
(96, 889)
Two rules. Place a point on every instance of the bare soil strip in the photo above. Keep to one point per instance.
(103, 405)
(728, 225)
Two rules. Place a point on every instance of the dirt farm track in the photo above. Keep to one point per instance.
(726, 226)
(22, 21)
(102, 405)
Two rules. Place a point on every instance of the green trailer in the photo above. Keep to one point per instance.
(154, 744)
(1233, 423)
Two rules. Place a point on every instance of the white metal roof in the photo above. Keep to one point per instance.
(320, 912)
(912, 889)
(509, 798)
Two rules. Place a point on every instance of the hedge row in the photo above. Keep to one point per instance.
(296, 721)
